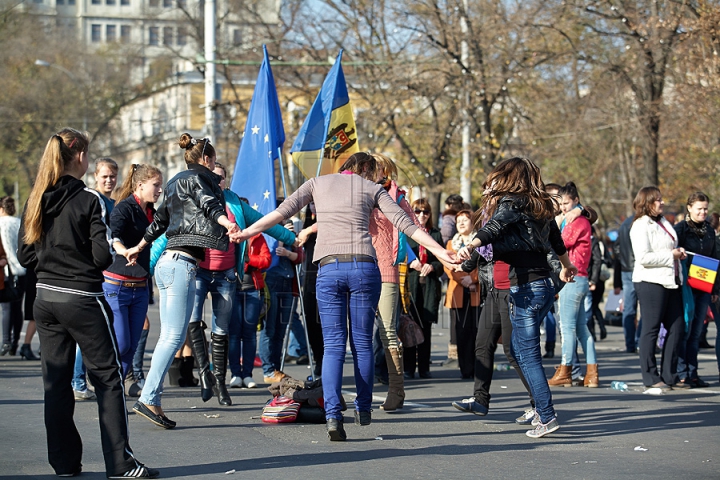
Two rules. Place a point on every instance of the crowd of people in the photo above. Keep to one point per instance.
(82, 263)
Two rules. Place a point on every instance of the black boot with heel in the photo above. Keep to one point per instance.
(219, 357)
(200, 350)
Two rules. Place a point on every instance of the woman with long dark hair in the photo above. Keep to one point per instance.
(64, 237)
(519, 223)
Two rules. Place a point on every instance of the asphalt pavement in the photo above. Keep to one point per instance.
(605, 433)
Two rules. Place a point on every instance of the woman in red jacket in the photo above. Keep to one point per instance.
(573, 322)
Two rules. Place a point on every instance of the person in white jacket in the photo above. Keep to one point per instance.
(657, 277)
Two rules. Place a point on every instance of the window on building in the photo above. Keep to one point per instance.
(96, 33)
(237, 37)
(125, 33)
(154, 3)
(154, 36)
(60, 2)
(110, 33)
(96, 2)
(167, 35)
(109, 2)
(124, 2)
(181, 36)
(71, 2)
(167, 3)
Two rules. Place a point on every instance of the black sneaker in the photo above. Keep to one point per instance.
(470, 405)
(336, 430)
(71, 474)
(141, 471)
(159, 420)
(698, 383)
(363, 418)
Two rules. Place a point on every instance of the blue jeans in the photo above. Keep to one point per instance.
(574, 323)
(137, 364)
(630, 301)
(79, 380)
(276, 322)
(345, 290)
(243, 332)
(529, 304)
(175, 277)
(221, 286)
(129, 307)
(690, 343)
(550, 326)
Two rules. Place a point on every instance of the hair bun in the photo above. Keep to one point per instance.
(187, 141)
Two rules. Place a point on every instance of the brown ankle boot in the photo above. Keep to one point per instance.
(562, 377)
(592, 379)
(396, 390)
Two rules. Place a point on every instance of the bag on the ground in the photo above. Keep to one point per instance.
(280, 410)
(409, 331)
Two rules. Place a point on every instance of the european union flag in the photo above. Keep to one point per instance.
(328, 136)
(254, 175)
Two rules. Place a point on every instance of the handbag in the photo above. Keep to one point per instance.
(280, 410)
(11, 292)
(409, 332)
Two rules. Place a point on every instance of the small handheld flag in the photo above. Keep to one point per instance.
(328, 136)
(702, 273)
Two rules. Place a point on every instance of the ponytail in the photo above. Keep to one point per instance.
(60, 150)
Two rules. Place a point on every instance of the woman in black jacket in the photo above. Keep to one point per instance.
(193, 218)
(695, 235)
(126, 287)
(65, 239)
(520, 227)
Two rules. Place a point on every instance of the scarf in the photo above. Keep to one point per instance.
(699, 229)
(422, 251)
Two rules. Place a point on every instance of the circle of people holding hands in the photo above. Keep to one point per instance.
(529, 254)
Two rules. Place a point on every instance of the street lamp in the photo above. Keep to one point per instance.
(43, 63)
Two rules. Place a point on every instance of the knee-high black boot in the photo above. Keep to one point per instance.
(220, 356)
(199, 348)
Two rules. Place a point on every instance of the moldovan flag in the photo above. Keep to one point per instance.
(328, 136)
(702, 273)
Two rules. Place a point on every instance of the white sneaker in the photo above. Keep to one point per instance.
(249, 382)
(235, 382)
(84, 394)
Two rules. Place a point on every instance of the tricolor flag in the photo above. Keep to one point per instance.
(328, 136)
(702, 273)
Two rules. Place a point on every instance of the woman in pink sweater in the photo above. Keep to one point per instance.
(573, 322)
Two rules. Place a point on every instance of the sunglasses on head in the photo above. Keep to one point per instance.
(424, 212)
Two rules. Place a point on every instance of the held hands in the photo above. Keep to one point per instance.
(131, 255)
(304, 235)
(234, 232)
(464, 253)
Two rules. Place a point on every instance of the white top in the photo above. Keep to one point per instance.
(9, 227)
(652, 246)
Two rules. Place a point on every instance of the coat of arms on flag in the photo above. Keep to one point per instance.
(702, 273)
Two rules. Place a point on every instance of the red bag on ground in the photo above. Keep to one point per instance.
(280, 410)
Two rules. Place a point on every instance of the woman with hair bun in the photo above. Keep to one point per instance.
(193, 218)
(64, 237)
(126, 287)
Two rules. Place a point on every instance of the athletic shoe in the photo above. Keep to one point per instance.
(470, 405)
(235, 382)
(530, 417)
(138, 472)
(84, 395)
(249, 382)
(543, 429)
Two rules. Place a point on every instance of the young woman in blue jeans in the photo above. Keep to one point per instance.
(521, 229)
(126, 287)
(348, 282)
(193, 218)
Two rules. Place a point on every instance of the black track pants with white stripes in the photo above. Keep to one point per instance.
(64, 318)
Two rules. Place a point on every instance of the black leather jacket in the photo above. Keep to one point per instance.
(512, 230)
(188, 216)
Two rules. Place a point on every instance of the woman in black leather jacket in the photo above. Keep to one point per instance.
(696, 235)
(521, 228)
(193, 218)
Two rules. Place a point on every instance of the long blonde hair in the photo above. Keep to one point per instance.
(137, 173)
(60, 151)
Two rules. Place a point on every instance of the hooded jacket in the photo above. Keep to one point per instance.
(75, 245)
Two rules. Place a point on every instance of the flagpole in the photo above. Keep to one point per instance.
(303, 319)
